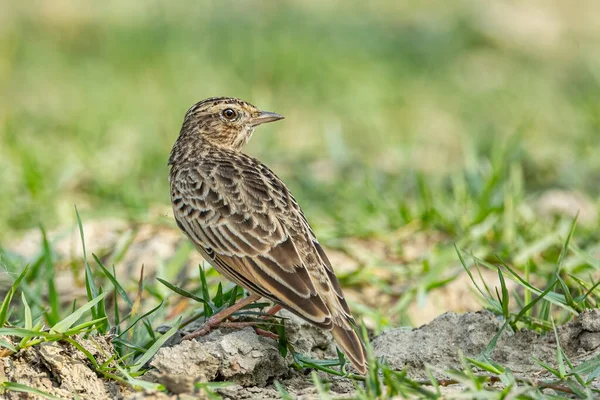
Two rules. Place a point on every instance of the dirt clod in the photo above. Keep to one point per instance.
(70, 373)
(439, 343)
(60, 370)
(590, 320)
(308, 339)
(245, 357)
(239, 356)
(189, 360)
(582, 334)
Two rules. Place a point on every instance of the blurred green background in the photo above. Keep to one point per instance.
(391, 107)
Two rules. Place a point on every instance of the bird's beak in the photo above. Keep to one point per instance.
(266, 116)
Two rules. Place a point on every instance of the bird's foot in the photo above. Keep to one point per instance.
(221, 316)
(219, 320)
(210, 324)
(204, 329)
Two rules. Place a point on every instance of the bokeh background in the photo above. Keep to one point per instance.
(376, 95)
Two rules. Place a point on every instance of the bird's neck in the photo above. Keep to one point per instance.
(189, 146)
(193, 146)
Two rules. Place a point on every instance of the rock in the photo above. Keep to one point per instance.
(72, 375)
(582, 334)
(60, 370)
(189, 360)
(589, 341)
(245, 357)
(306, 338)
(590, 320)
(439, 343)
(239, 356)
(25, 368)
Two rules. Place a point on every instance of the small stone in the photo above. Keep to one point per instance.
(176, 383)
(245, 357)
(590, 320)
(189, 359)
(589, 340)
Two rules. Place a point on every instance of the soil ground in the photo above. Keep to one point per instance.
(253, 363)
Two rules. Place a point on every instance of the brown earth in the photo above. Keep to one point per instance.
(253, 363)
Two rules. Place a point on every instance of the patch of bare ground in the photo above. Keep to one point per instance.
(61, 370)
(252, 363)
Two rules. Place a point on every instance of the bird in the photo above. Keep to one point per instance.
(246, 223)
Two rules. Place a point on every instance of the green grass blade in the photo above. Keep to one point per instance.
(114, 281)
(208, 310)
(565, 247)
(505, 299)
(552, 297)
(154, 348)
(284, 394)
(547, 367)
(9, 296)
(78, 329)
(282, 343)
(181, 291)
(116, 307)
(90, 285)
(139, 383)
(149, 329)
(566, 293)
(139, 318)
(67, 322)
(494, 305)
(28, 320)
(468, 270)
(36, 266)
(591, 367)
(218, 300)
(535, 301)
(527, 293)
(485, 355)
(560, 360)
(54, 313)
(20, 332)
(8, 345)
(101, 313)
(582, 301)
(544, 312)
(19, 387)
(486, 366)
(233, 294)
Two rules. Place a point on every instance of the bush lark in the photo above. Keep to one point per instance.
(245, 222)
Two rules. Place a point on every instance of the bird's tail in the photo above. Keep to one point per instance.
(351, 345)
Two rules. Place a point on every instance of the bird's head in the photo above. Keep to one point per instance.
(225, 121)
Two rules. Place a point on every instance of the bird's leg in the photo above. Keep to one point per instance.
(273, 310)
(219, 317)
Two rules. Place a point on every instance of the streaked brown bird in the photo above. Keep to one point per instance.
(245, 222)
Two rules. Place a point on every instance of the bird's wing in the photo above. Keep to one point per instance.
(243, 218)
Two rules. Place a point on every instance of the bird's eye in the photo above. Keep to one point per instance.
(229, 114)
